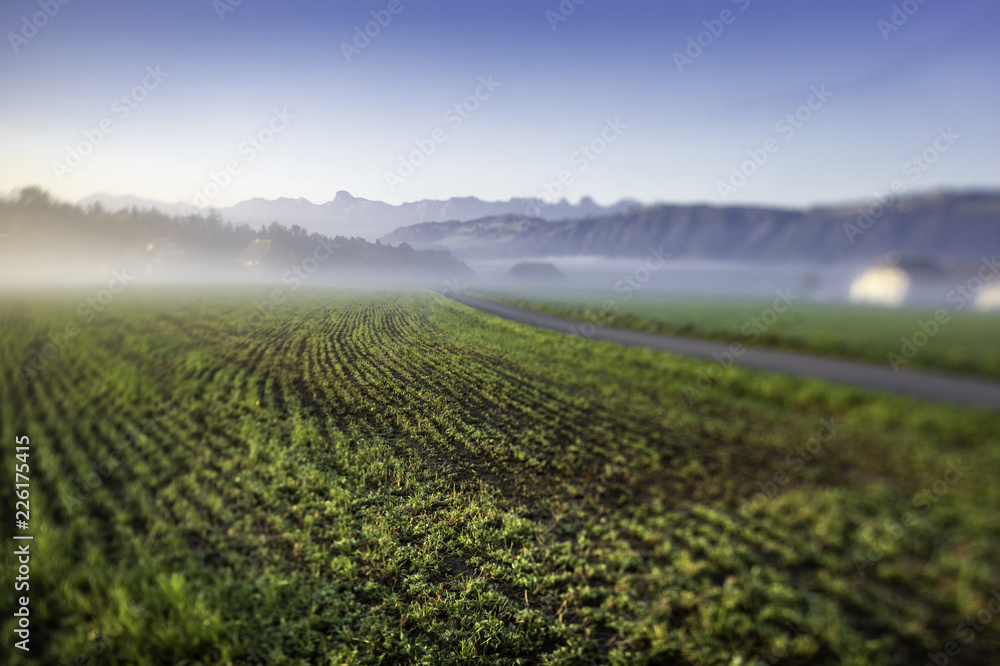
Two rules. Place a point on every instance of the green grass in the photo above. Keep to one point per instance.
(966, 342)
(390, 477)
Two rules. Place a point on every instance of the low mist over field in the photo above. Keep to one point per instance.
(54, 244)
(436, 332)
(915, 251)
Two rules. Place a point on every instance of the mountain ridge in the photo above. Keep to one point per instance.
(347, 215)
(946, 226)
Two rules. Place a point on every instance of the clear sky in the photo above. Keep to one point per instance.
(557, 73)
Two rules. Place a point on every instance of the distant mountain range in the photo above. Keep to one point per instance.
(945, 226)
(46, 241)
(958, 227)
(351, 216)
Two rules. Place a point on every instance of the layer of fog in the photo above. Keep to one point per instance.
(683, 277)
(598, 277)
(65, 272)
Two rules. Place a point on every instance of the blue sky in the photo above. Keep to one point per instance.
(381, 124)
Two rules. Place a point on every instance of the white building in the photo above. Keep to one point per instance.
(881, 285)
(988, 298)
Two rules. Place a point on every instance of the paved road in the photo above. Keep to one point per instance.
(927, 385)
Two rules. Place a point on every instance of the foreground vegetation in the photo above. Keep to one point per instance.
(363, 477)
(965, 342)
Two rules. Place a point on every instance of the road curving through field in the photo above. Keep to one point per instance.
(919, 384)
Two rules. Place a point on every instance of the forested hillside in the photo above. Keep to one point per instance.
(42, 238)
(944, 226)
